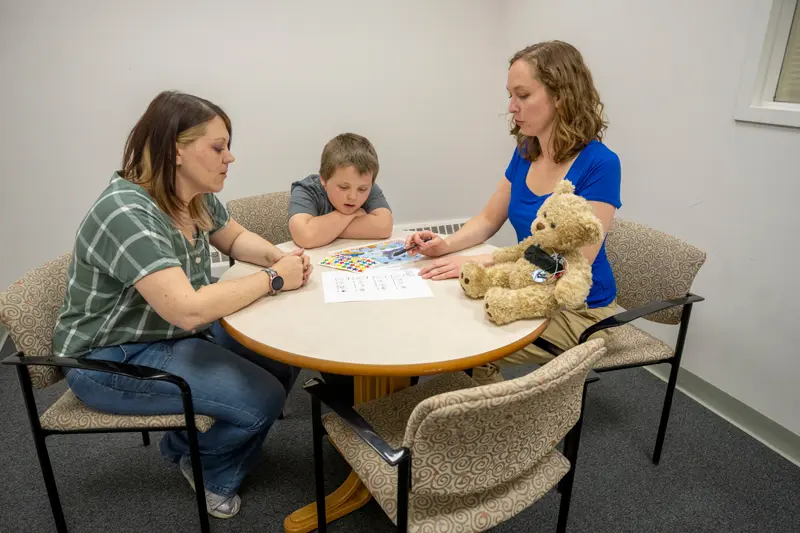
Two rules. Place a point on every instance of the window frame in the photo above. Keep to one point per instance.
(765, 53)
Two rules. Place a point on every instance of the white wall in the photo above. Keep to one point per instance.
(423, 80)
(669, 74)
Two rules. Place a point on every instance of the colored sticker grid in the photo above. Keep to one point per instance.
(350, 264)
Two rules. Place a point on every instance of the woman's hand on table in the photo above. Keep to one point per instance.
(427, 243)
(445, 268)
(307, 266)
(295, 268)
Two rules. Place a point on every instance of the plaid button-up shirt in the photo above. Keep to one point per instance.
(125, 237)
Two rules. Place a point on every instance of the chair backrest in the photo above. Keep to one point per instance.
(649, 265)
(474, 439)
(29, 309)
(265, 214)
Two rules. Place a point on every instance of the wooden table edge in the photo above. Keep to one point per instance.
(360, 369)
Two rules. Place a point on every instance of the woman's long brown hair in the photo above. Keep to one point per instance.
(579, 118)
(150, 157)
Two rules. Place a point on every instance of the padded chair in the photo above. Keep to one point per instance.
(448, 455)
(654, 274)
(28, 310)
(265, 214)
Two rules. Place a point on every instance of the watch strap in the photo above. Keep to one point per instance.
(272, 275)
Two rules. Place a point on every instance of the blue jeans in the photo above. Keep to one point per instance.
(242, 390)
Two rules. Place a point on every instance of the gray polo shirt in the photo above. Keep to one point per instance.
(308, 196)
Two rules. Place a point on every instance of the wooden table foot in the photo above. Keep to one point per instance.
(351, 495)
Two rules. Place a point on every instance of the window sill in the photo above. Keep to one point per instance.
(773, 113)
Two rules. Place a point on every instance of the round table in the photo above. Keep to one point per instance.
(381, 343)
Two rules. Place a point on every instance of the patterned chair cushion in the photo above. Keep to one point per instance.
(480, 455)
(388, 416)
(493, 434)
(68, 413)
(628, 345)
(649, 266)
(266, 214)
(29, 309)
(487, 509)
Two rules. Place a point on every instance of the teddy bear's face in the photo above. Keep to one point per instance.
(566, 222)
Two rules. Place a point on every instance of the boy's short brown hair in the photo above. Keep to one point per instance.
(349, 149)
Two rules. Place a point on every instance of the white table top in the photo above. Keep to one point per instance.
(382, 338)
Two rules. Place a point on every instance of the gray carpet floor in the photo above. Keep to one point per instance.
(712, 477)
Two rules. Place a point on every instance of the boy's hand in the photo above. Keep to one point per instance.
(360, 213)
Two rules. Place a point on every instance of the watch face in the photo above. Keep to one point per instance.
(277, 283)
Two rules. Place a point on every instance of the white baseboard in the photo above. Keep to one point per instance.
(769, 433)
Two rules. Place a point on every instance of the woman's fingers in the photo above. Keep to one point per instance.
(421, 237)
(449, 274)
(426, 269)
(437, 268)
(307, 274)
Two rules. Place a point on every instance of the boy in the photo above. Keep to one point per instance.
(342, 200)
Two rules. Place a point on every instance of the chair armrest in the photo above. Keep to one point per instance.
(123, 369)
(631, 315)
(321, 392)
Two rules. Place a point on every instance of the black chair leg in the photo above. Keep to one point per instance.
(403, 477)
(318, 432)
(41, 449)
(571, 443)
(145, 438)
(194, 456)
(52, 491)
(414, 380)
(662, 426)
(672, 382)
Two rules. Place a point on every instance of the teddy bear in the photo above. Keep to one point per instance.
(544, 272)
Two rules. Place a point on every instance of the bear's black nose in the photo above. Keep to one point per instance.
(539, 226)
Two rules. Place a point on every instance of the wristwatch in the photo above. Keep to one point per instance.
(275, 281)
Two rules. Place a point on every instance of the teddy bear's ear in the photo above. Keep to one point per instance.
(564, 187)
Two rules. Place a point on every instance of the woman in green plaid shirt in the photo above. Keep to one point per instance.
(140, 292)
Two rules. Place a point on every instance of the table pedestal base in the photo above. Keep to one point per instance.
(352, 494)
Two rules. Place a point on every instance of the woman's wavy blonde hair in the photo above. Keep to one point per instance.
(579, 118)
(150, 157)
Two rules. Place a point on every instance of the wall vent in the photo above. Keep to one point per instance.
(442, 227)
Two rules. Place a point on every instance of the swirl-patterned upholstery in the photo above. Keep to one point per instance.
(648, 266)
(68, 413)
(480, 455)
(266, 215)
(29, 309)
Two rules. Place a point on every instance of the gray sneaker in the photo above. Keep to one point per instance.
(218, 506)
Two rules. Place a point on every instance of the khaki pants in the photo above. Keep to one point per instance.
(564, 330)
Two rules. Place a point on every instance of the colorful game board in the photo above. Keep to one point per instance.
(361, 258)
(351, 264)
(381, 252)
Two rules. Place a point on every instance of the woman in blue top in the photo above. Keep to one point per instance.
(558, 123)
